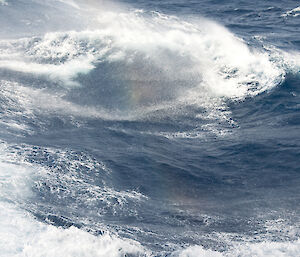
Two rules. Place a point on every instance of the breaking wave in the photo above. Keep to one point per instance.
(132, 65)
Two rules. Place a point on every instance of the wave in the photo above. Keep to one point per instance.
(29, 173)
(134, 64)
(111, 79)
(203, 54)
(23, 235)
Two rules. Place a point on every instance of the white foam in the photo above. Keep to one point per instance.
(268, 249)
(3, 2)
(73, 184)
(196, 251)
(21, 235)
(193, 63)
(294, 12)
(30, 102)
(179, 49)
(64, 72)
(15, 177)
(71, 3)
(291, 60)
(24, 101)
(210, 63)
(203, 49)
(286, 60)
(263, 249)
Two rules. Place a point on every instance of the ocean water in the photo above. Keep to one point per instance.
(149, 128)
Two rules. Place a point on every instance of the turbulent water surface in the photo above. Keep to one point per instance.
(149, 128)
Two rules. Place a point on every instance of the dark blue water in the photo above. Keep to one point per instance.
(149, 128)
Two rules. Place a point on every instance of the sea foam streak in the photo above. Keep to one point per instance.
(295, 12)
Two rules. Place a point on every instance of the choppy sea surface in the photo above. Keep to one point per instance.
(149, 128)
